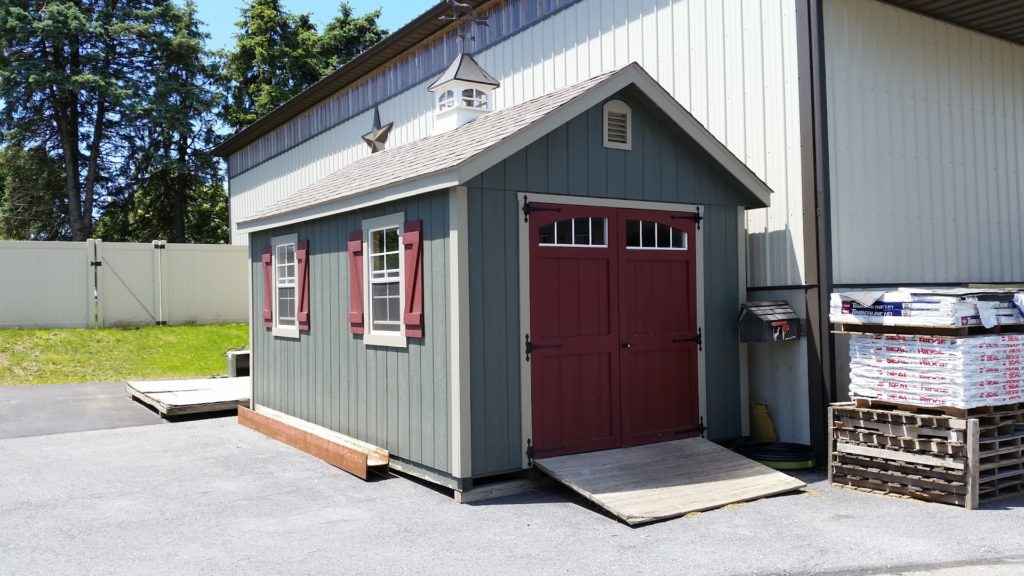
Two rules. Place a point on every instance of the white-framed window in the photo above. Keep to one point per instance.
(385, 280)
(618, 125)
(647, 235)
(446, 100)
(474, 98)
(586, 232)
(286, 296)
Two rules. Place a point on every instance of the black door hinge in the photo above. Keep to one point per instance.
(698, 339)
(530, 347)
(529, 208)
(529, 451)
(695, 217)
(701, 427)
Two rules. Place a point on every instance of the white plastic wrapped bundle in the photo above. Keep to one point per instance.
(939, 308)
(936, 371)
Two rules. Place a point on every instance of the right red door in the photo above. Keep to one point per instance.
(658, 326)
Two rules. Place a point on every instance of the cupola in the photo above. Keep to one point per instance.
(464, 92)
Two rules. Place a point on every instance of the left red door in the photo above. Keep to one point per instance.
(574, 327)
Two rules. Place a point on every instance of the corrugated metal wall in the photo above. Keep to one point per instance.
(572, 161)
(396, 398)
(926, 143)
(732, 63)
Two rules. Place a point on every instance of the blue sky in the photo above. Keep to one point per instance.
(220, 15)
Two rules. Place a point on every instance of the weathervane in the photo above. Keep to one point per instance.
(463, 14)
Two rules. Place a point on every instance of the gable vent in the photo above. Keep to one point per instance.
(617, 125)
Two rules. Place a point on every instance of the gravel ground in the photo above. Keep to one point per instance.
(211, 497)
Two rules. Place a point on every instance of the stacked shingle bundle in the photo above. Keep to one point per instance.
(939, 308)
(937, 371)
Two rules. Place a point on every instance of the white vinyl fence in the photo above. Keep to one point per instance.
(96, 283)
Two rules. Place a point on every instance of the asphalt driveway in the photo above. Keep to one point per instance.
(210, 497)
(61, 408)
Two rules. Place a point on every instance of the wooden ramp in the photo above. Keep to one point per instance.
(183, 397)
(659, 481)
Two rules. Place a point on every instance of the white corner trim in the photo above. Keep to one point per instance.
(371, 338)
(458, 263)
(525, 377)
(252, 325)
(277, 330)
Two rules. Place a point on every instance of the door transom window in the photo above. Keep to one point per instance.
(645, 235)
(578, 232)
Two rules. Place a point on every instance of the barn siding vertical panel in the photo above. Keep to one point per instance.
(395, 398)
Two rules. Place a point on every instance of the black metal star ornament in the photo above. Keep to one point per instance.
(378, 137)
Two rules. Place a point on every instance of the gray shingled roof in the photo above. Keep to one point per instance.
(427, 155)
(465, 68)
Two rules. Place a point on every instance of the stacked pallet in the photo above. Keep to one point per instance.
(968, 372)
(959, 457)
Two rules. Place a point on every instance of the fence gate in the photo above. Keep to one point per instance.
(96, 283)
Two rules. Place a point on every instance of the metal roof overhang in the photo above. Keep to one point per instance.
(406, 37)
(1000, 18)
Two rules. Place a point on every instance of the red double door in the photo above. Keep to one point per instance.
(613, 327)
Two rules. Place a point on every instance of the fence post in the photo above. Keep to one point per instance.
(159, 246)
(99, 282)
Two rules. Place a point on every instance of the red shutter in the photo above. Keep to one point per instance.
(355, 282)
(268, 287)
(302, 262)
(413, 316)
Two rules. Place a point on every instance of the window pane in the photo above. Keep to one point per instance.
(563, 232)
(647, 234)
(392, 261)
(394, 309)
(380, 309)
(664, 236)
(547, 234)
(392, 239)
(597, 231)
(581, 231)
(377, 263)
(633, 233)
(377, 241)
(677, 239)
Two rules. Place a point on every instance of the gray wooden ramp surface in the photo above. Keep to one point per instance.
(198, 396)
(655, 482)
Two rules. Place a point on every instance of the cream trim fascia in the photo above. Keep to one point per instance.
(370, 338)
(252, 327)
(459, 336)
(525, 376)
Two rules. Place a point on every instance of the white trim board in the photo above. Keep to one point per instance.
(459, 338)
(525, 377)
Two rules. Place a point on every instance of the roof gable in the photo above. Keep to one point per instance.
(454, 157)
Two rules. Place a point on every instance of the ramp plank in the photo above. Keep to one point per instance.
(181, 397)
(655, 482)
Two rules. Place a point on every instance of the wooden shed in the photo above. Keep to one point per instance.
(556, 277)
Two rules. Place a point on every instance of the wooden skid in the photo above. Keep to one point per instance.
(171, 398)
(351, 455)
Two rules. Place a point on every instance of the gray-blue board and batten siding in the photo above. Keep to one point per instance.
(400, 399)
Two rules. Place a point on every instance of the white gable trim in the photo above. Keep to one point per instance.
(632, 74)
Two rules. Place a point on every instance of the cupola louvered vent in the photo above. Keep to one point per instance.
(617, 125)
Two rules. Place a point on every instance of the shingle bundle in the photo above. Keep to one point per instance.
(927, 308)
(964, 372)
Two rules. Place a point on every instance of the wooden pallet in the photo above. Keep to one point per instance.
(964, 458)
(948, 331)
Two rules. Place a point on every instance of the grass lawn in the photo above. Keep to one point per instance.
(110, 354)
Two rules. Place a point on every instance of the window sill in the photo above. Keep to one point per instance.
(390, 340)
(291, 332)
